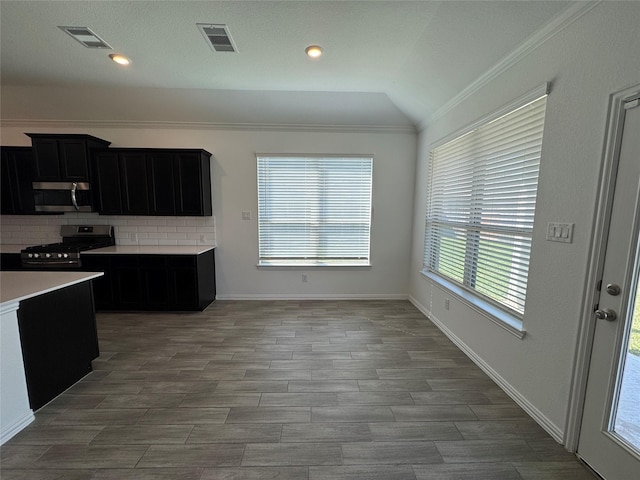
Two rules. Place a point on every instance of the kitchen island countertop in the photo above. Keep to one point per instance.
(17, 286)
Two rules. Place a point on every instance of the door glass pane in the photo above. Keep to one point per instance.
(627, 418)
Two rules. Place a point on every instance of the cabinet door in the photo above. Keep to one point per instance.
(107, 183)
(10, 262)
(102, 286)
(135, 192)
(206, 267)
(126, 282)
(73, 160)
(17, 176)
(162, 191)
(46, 160)
(155, 282)
(183, 280)
(7, 188)
(23, 160)
(190, 184)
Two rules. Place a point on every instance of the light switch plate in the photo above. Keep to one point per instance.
(560, 232)
(246, 215)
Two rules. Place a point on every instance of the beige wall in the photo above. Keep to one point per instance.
(234, 190)
(586, 62)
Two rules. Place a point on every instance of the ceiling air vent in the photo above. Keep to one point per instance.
(86, 37)
(218, 37)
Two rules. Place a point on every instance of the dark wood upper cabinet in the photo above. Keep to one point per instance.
(108, 194)
(162, 182)
(17, 176)
(193, 182)
(63, 157)
(135, 183)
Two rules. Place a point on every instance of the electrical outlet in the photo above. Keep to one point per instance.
(246, 215)
(134, 237)
(304, 278)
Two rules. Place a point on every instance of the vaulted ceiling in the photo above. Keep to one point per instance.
(388, 63)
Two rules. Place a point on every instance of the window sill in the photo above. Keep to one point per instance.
(510, 323)
(313, 263)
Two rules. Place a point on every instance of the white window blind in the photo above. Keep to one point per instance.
(314, 209)
(481, 201)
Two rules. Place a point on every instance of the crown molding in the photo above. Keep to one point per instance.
(554, 26)
(411, 129)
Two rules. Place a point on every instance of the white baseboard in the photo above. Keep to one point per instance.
(552, 429)
(320, 296)
(13, 429)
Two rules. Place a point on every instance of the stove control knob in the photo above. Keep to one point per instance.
(30, 255)
(59, 255)
(66, 255)
(48, 255)
(36, 255)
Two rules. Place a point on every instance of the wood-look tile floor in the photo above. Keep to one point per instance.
(288, 390)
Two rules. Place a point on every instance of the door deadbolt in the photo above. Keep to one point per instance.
(606, 314)
(613, 289)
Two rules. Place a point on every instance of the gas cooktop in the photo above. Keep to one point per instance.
(66, 254)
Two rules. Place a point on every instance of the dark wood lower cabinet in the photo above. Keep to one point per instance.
(10, 262)
(102, 286)
(59, 340)
(126, 285)
(153, 282)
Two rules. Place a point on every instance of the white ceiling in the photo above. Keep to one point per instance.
(390, 63)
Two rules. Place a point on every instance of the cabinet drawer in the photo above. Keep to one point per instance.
(181, 261)
(152, 261)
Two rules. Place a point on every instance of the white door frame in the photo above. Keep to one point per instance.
(597, 248)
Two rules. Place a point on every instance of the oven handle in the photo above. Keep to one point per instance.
(42, 264)
(74, 187)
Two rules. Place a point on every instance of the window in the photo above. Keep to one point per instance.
(314, 210)
(481, 201)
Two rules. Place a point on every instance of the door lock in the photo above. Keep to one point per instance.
(606, 314)
(613, 289)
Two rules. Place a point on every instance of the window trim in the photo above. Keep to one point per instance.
(529, 97)
(512, 324)
(493, 310)
(301, 263)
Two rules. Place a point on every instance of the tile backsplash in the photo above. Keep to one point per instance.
(129, 230)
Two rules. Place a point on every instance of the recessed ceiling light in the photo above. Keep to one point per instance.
(119, 59)
(313, 51)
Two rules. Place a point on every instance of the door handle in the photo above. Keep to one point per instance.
(606, 314)
(74, 187)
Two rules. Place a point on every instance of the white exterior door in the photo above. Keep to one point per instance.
(610, 433)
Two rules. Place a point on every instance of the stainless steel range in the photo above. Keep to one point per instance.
(66, 254)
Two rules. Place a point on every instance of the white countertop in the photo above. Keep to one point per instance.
(17, 286)
(13, 248)
(150, 250)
